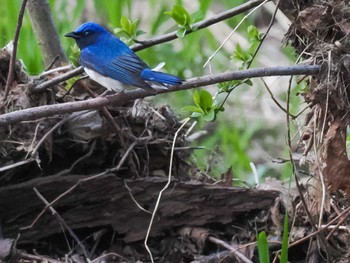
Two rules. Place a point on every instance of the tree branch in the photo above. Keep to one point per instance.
(10, 74)
(200, 25)
(122, 98)
(54, 81)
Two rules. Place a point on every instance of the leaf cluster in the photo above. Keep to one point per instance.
(205, 106)
(128, 29)
(184, 20)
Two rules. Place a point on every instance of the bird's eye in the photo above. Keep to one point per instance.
(86, 33)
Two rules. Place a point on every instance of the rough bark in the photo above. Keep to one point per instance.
(105, 201)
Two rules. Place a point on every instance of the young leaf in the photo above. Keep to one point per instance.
(263, 248)
(181, 32)
(206, 100)
(191, 109)
(197, 98)
(210, 116)
(125, 23)
(180, 15)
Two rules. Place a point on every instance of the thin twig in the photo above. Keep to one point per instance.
(134, 200)
(61, 220)
(235, 251)
(232, 32)
(99, 259)
(274, 99)
(47, 134)
(122, 160)
(163, 189)
(122, 98)
(54, 70)
(17, 164)
(10, 75)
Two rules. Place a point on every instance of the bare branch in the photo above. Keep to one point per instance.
(200, 25)
(10, 74)
(47, 84)
(122, 98)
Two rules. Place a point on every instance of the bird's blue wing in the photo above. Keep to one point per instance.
(125, 68)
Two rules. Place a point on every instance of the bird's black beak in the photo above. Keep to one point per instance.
(72, 35)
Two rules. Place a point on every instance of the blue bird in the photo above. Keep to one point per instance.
(110, 62)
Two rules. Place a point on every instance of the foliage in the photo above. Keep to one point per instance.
(263, 247)
(128, 29)
(206, 107)
(184, 20)
(233, 131)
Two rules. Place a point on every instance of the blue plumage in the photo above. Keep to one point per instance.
(110, 62)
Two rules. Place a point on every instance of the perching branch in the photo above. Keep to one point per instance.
(122, 98)
(200, 25)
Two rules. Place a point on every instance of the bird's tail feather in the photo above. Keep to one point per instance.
(160, 77)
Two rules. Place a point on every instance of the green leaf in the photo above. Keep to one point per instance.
(191, 109)
(248, 82)
(253, 31)
(197, 98)
(206, 100)
(203, 100)
(238, 53)
(196, 115)
(128, 30)
(210, 116)
(118, 30)
(180, 15)
(181, 32)
(263, 248)
(134, 26)
(125, 23)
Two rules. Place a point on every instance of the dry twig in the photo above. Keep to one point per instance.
(10, 75)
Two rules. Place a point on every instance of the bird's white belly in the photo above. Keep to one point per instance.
(107, 82)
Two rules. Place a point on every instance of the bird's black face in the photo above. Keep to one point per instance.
(87, 34)
(84, 38)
